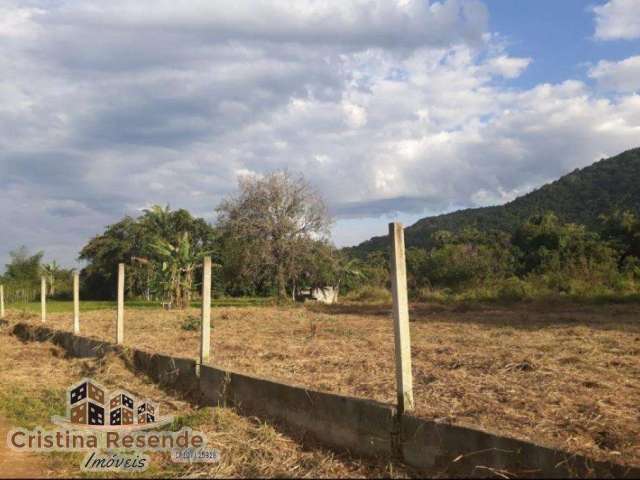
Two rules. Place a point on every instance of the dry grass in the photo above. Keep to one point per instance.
(248, 446)
(563, 375)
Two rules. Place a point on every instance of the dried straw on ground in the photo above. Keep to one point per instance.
(563, 375)
(248, 446)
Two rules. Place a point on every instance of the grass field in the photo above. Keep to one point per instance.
(59, 306)
(561, 374)
(249, 448)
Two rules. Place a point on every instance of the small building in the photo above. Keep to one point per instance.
(325, 294)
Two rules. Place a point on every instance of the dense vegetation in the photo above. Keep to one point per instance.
(579, 236)
(162, 250)
(269, 240)
(543, 257)
(22, 277)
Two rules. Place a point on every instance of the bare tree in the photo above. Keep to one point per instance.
(271, 222)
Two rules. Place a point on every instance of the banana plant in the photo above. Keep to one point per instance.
(177, 264)
(346, 270)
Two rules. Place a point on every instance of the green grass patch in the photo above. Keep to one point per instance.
(62, 306)
(29, 410)
(192, 420)
(240, 302)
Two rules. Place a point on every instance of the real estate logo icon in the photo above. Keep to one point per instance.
(90, 406)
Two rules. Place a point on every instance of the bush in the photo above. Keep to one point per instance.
(514, 289)
(370, 295)
(428, 294)
(191, 323)
(625, 285)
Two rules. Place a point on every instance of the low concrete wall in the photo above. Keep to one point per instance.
(174, 372)
(358, 426)
(460, 451)
(179, 373)
(74, 345)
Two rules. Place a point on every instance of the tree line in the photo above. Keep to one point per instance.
(23, 273)
(543, 257)
(272, 239)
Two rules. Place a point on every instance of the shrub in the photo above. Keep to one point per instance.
(428, 294)
(191, 323)
(369, 294)
(513, 289)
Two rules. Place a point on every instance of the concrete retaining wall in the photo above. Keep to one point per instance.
(462, 451)
(74, 345)
(358, 426)
(175, 372)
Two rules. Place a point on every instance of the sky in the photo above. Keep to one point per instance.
(393, 109)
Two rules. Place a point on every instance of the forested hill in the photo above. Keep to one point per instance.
(579, 197)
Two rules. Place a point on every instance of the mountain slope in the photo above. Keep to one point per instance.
(579, 197)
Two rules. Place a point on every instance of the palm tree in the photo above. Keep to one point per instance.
(50, 270)
(158, 220)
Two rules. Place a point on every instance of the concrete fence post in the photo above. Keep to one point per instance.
(1, 301)
(404, 381)
(120, 317)
(76, 303)
(205, 332)
(43, 298)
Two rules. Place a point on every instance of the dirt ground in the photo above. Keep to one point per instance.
(18, 464)
(249, 448)
(563, 375)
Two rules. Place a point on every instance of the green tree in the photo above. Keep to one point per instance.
(622, 229)
(119, 243)
(466, 259)
(564, 254)
(22, 275)
(23, 266)
(134, 242)
(416, 259)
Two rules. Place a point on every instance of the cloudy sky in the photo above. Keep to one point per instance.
(394, 109)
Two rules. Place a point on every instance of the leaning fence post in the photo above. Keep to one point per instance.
(205, 332)
(43, 298)
(76, 303)
(404, 382)
(1, 301)
(120, 317)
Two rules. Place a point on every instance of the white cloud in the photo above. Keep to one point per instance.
(618, 20)
(508, 67)
(108, 107)
(623, 76)
(355, 115)
(361, 23)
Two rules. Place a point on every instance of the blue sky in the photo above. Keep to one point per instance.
(557, 35)
(394, 109)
